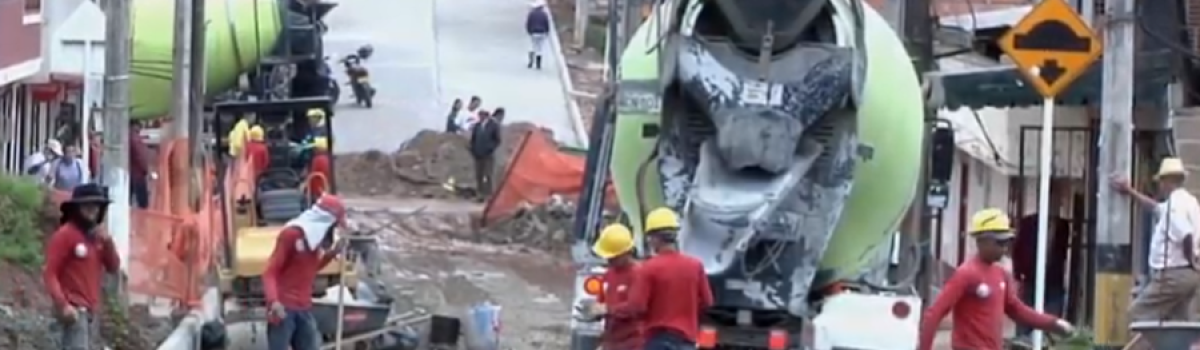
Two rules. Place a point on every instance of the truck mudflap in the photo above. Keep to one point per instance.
(585, 334)
(867, 322)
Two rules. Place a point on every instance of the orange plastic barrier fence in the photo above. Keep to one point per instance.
(537, 172)
(170, 254)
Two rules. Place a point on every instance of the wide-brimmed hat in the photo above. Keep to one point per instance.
(1171, 166)
(88, 194)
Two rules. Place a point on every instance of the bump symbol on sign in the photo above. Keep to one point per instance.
(1052, 46)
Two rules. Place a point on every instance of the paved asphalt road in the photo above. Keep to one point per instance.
(429, 52)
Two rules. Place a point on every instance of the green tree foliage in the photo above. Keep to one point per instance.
(21, 204)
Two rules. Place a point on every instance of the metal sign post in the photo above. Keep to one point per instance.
(1052, 46)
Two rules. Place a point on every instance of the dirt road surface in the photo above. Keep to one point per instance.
(426, 267)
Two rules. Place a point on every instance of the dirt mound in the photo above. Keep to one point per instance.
(547, 227)
(421, 167)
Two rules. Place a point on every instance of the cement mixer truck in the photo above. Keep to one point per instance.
(787, 135)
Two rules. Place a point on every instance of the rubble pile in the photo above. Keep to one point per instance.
(546, 227)
(422, 167)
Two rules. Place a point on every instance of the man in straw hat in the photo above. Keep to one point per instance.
(301, 250)
(616, 245)
(980, 294)
(77, 256)
(1173, 281)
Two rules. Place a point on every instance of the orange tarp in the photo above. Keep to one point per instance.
(537, 172)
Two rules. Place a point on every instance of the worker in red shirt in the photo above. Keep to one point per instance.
(319, 167)
(980, 293)
(77, 256)
(621, 332)
(303, 248)
(670, 290)
(256, 150)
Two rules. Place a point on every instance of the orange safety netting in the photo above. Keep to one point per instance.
(170, 253)
(537, 172)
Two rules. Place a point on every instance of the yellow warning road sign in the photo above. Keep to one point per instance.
(1052, 46)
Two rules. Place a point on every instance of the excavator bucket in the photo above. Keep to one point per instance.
(1168, 334)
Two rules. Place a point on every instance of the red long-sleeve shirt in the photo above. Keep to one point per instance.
(669, 292)
(291, 270)
(75, 266)
(980, 294)
(259, 156)
(319, 165)
(620, 331)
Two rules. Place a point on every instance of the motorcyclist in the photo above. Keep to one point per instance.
(304, 246)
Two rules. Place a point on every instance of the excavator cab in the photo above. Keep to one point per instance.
(259, 204)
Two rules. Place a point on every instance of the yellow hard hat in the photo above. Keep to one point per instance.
(615, 239)
(316, 113)
(662, 218)
(257, 133)
(990, 221)
(321, 143)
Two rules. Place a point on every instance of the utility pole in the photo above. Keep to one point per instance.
(583, 13)
(181, 112)
(196, 101)
(1116, 149)
(917, 24)
(115, 158)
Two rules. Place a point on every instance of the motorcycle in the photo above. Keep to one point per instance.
(360, 81)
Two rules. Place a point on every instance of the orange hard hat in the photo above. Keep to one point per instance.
(333, 205)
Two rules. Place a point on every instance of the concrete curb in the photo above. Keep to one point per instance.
(564, 75)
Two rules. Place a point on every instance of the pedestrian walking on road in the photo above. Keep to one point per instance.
(1173, 282)
(452, 117)
(980, 293)
(77, 256)
(537, 25)
(670, 290)
(621, 332)
(140, 173)
(485, 140)
(302, 249)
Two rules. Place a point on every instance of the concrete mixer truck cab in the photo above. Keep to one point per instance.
(788, 137)
(259, 203)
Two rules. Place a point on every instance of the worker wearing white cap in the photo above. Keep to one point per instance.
(1174, 282)
(38, 164)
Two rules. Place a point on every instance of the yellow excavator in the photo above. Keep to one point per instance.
(259, 204)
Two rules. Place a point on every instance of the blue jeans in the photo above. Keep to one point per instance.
(297, 331)
(667, 341)
(139, 191)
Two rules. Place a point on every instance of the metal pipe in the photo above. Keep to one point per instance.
(187, 333)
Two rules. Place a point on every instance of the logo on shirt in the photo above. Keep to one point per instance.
(81, 250)
(621, 288)
(983, 291)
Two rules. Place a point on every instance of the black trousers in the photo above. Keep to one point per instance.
(484, 168)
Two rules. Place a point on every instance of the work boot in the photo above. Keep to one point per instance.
(538, 61)
(531, 60)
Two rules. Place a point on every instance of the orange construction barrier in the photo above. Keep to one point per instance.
(170, 254)
(537, 172)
